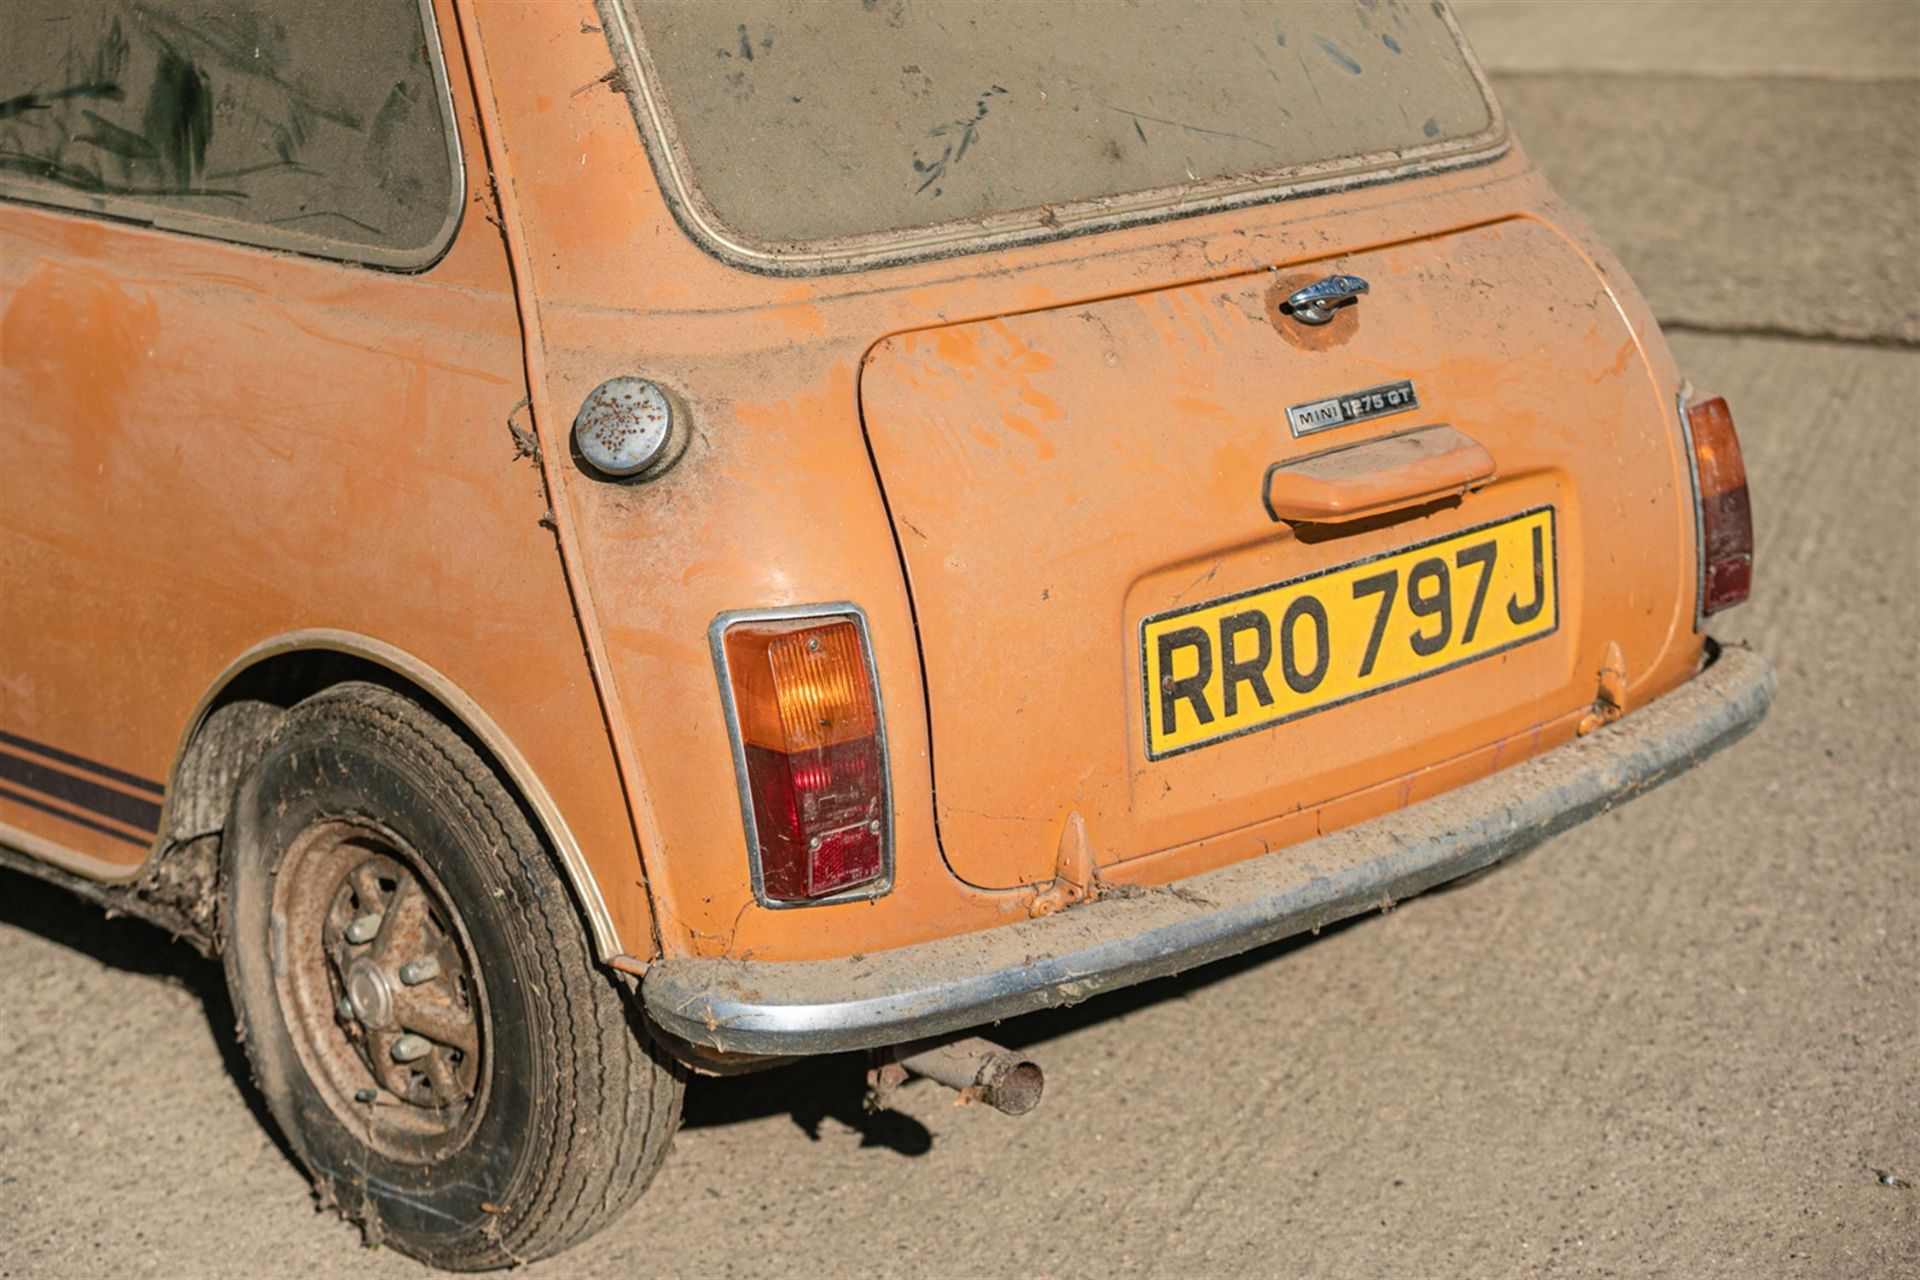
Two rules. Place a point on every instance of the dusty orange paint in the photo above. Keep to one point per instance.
(1064, 437)
(210, 447)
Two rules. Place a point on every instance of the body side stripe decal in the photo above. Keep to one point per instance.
(83, 793)
(8, 793)
(81, 762)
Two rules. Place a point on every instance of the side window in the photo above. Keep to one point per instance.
(323, 128)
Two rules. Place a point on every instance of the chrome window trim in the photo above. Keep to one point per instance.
(716, 643)
(259, 235)
(551, 823)
(1013, 228)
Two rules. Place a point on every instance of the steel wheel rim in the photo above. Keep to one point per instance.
(376, 980)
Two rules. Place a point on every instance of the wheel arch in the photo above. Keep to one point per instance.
(229, 726)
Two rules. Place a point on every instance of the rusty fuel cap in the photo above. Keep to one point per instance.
(627, 427)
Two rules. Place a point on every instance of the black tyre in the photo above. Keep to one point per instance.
(416, 991)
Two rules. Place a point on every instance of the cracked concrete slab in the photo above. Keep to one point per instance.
(1772, 204)
(1680, 1040)
(1755, 163)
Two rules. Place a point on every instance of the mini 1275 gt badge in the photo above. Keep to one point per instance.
(1355, 406)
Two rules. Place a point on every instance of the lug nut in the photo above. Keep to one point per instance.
(364, 928)
(415, 972)
(411, 1048)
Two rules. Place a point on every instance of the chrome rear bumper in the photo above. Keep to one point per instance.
(824, 1006)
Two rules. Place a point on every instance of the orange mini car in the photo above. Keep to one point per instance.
(568, 543)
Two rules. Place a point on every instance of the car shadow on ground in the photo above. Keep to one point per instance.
(809, 1091)
(134, 946)
(815, 1089)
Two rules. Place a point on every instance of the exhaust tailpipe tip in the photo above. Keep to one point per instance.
(981, 1071)
(1015, 1089)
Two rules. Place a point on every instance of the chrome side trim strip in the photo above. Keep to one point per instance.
(826, 1006)
(41, 849)
(1683, 399)
(573, 861)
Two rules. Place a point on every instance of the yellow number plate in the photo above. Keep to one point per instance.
(1250, 661)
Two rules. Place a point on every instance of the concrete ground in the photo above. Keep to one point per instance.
(1681, 1040)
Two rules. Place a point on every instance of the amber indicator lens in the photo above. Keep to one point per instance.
(1726, 519)
(803, 695)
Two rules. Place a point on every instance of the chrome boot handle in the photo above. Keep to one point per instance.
(1315, 303)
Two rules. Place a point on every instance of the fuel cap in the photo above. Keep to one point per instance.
(623, 426)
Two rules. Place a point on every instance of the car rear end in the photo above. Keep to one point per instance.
(1142, 599)
(1292, 585)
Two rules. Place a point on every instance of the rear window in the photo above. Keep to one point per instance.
(815, 133)
(319, 127)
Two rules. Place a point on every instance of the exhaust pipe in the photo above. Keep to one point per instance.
(978, 1070)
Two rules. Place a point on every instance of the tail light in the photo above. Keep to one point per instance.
(810, 751)
(1720, 497)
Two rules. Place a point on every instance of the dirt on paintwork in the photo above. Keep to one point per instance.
(1678, 1040)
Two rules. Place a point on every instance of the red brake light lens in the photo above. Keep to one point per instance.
(812, 757)
(1726, 518)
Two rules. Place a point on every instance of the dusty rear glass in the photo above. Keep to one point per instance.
(797, 130)
(320, 127)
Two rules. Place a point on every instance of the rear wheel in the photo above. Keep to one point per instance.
(418, 997)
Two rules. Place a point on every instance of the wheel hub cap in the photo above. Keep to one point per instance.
(370, 994)
(387, 1009)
